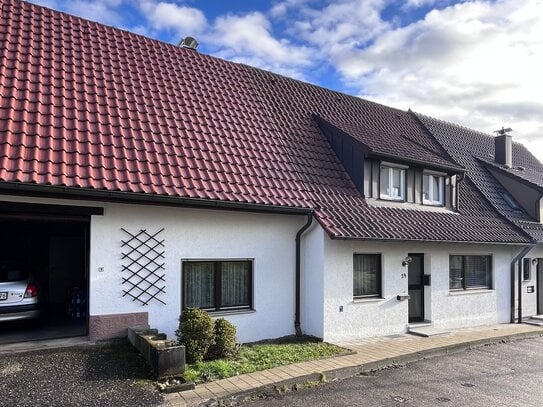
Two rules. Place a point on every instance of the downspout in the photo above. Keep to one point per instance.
(297, 324)
(517, 258)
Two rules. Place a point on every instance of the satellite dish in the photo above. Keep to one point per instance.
(188, 42)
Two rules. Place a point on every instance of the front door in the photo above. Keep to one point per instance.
(415, 281)
(540, 286)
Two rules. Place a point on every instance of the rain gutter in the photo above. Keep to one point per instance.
(516, 259)
(297, 323)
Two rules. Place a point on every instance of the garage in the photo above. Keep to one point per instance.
(43, 271)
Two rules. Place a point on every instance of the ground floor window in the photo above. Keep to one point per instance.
(366, 275)
(217, 285)
(527, 269)
(470, 272)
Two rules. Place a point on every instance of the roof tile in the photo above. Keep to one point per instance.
(91, 107)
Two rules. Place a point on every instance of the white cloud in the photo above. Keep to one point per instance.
(99, 10)
(283, 8)
(182, 20)
(419, 3)
(345, 22)
(478, 64)
(249, 39)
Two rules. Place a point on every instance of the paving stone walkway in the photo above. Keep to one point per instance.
(368, 354)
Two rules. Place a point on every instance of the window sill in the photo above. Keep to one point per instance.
(231, 312)
(367, 299)
(380, 203)
(432, 203)
(468, 292)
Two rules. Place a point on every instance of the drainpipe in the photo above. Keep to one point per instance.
(517, 258)
(297, 324)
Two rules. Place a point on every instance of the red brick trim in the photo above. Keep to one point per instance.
(114, 325)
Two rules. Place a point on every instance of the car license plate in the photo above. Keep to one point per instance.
(3, 296)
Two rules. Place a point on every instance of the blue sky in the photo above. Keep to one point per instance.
(477, 63)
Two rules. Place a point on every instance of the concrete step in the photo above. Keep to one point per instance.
(533, 321)
(427, 331)
(420, 324)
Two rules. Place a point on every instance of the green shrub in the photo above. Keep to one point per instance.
(196, 333)
(225, 340)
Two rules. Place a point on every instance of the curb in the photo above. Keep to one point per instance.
(325, 376)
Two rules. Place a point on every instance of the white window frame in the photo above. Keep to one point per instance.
(391, 168)
(440, 201)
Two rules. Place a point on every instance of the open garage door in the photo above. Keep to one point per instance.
(43, 271)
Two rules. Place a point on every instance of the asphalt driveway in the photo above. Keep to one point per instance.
(100, 375)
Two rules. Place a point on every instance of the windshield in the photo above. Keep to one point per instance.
(11, 274)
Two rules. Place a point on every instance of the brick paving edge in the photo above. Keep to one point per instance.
(350, 371)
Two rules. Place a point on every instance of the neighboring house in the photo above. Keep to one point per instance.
(193, 181)
(511, 179)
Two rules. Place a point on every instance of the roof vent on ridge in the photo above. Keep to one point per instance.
(188, 42)
(503, 147)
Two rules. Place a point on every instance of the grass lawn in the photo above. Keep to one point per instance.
(261, 356)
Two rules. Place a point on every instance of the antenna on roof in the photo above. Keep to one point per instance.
(188, 42)
(503, 131)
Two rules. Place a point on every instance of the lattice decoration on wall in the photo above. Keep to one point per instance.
(143, 266)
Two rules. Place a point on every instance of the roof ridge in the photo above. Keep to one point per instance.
(419, 122)
(467, 173)
(479, 132)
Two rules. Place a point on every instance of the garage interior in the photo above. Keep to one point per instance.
(51, 242)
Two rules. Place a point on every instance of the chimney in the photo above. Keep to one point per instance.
(503, 147)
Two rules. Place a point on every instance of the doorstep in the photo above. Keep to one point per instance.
(533, 320)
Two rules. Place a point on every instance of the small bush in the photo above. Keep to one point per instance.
(225, 340)
(196, 333)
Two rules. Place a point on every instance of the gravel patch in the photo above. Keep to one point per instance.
(100, 375)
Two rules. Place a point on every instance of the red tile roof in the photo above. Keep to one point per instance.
(343, 211)
(88, 106)
(94, 108)
(474, 150)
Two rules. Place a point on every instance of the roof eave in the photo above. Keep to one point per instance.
(510, 174)
(51, 191)
(524, 242)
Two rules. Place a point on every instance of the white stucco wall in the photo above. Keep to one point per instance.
(529, 300)
(313, 281)
(378, 317)
(457, 309)
(326, 273)
(202, 234)
(269, 239)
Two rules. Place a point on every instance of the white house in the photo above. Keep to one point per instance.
(146, 178)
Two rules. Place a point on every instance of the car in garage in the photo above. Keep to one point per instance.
(19, 298)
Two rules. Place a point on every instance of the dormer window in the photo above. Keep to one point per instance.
(392, 182)
(433, 188)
